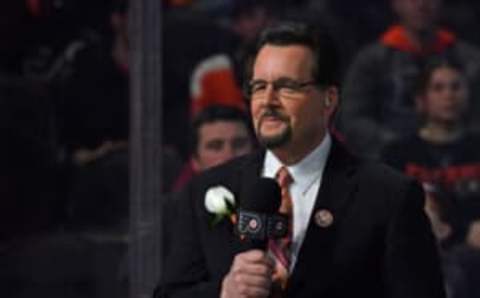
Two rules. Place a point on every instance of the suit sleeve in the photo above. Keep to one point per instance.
(412, 267)
(185, 273)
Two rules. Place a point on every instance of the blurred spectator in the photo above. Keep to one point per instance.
(378, 93)
(200, 70)
(444, 155)
(213, 82)
(180, 57)
(218, 134)
(216, 79)
(60, 31)
(249, 17)
(92, 102)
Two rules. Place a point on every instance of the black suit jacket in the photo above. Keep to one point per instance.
(379, 245)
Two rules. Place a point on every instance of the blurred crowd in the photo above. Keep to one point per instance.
(409, 97)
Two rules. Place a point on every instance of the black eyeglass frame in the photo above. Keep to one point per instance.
(293, 85)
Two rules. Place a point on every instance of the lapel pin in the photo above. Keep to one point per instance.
(323, 218)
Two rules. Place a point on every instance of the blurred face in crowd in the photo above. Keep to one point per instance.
(249, 25)
(445, 97)
(219, 142)
(289, 110)
(119, 24)
(120, 47)
(417, 15)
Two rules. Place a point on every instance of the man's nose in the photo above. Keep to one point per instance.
(271, 95)
(227, 153)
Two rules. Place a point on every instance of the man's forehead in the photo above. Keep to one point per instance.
(290, 49)
(222, 126)
(282, 61)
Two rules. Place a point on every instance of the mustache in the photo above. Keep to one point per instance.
(273, 113)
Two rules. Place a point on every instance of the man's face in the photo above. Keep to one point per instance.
(219, 142)
(249, 25)
(419, 15)
(287, 108)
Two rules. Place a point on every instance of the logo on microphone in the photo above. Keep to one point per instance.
(250, 224)
(259, 226)
(253, 224)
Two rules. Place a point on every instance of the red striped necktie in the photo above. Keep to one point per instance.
(280, 248)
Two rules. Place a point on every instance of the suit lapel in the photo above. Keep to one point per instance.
(337, 185)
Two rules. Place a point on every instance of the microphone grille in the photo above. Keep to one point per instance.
(263, 196)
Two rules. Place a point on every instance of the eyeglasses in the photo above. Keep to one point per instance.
(284, 87)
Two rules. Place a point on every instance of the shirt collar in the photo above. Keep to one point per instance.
(306, 171)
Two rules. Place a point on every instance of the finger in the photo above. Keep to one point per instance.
(250, 280)
(249, 291)
(254, 269)
(254, 255)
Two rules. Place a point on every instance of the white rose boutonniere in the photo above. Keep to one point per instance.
(221, 203)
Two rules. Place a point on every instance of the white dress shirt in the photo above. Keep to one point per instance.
(307, 177)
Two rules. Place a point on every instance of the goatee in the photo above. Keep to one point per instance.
(279, 139)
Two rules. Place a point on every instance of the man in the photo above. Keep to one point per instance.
(219, 133)
(379, 103)
(359, 229)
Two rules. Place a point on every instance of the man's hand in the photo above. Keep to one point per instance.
(250, 276)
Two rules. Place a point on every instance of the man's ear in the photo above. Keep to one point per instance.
(327, 101)
(195, 164)
(331, 97)
(330, 102)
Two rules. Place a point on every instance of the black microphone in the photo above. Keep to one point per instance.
(258, 217)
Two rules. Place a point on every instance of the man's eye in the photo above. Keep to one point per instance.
(215, 145)
(258, 87)
(288, 86)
